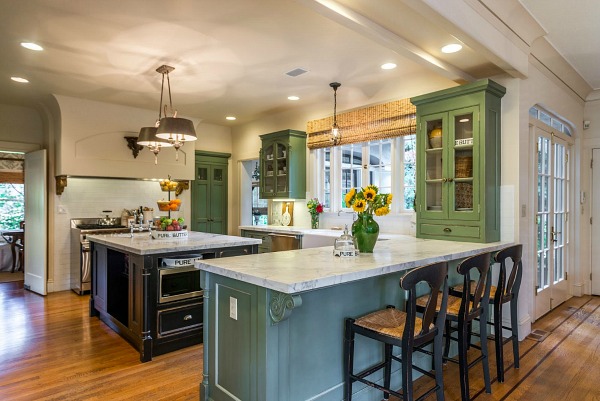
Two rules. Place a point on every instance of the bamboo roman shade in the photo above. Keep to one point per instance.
(387, 120)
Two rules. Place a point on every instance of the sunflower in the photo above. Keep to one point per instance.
(350, 196)
(369, 193)
(382, 211)
(388, 200)
(359, 205)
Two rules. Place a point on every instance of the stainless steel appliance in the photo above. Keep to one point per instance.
(179, 283)
(80, 249)
(284, 242)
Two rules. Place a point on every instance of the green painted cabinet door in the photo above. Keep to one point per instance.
(458, 163)
(209, 193)
(283, 165)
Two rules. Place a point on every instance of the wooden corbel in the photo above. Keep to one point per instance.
(61, 183)
(181, 185)
(133, 145)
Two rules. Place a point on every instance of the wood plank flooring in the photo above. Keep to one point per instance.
(50, 349)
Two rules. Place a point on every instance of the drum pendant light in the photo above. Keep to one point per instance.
(175, 130)
(336, 136)
(147, 138)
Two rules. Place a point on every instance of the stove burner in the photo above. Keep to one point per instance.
(98, 226)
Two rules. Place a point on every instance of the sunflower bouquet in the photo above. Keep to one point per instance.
(368, 201)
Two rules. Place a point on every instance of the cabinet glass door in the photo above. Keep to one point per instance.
(435, 136)
(281, 179)
(268, 169)
(464, 176)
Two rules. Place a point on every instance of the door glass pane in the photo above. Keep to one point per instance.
(202, 173)
(543, 213)
(218, 174)
(434, 166)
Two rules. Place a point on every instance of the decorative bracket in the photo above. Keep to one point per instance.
(133, 145)
(281, 305)
(61, 183)
(181, 185)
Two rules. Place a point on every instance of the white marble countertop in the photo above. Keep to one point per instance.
(303, 270)
(143, 244)
(294, 230)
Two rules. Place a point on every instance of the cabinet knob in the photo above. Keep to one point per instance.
(187, 317)
(444, 179)
(447, 230)
(450, 179)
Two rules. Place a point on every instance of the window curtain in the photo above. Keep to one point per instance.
(387, 120)
(11, 168)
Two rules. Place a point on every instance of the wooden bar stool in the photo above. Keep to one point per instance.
(406, 330)
(506, 290)
(463, 310)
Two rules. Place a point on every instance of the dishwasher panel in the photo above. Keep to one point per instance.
(282, 242)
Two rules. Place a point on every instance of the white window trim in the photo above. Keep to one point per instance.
(317, 158)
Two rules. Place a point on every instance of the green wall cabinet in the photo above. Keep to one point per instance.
(209, 193)
(458, 163)
(283, 165)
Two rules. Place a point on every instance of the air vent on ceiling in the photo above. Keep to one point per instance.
(296, 71)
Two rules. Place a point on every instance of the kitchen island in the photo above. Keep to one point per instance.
(148, 291)
(275, 321)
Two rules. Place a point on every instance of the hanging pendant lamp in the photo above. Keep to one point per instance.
(147, 137)
(175, 130)
(336, 136)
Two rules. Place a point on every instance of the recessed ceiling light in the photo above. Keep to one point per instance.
(230, 118)
(19, 79)
(32, 46)
(451, 48)
(388, 66)
(293, 98)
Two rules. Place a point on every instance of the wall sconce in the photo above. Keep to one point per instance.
(336, 137)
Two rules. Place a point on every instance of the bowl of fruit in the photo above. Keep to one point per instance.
(166, 228)
(170, 205)
(168, 185)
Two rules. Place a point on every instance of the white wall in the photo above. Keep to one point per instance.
(88, 197)
(21, 125)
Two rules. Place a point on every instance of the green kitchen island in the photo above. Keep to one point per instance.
(274, 322)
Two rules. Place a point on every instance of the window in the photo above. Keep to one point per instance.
(549, 120)
(12, 206)
(387, 163)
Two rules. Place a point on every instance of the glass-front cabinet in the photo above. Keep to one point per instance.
(283, 165)
(458, 163)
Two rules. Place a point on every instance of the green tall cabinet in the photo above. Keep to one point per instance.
(283, 165)
(458, 162)
(209, 192)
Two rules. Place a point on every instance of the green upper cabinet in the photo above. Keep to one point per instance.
(283, 165)
(458, 163)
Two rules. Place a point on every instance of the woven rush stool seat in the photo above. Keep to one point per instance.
(463, 310)
(403, 329)
(506, 291)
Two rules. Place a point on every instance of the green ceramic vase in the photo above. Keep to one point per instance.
(365, 231)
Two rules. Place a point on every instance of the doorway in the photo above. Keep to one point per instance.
(595, 202)
(552, 217)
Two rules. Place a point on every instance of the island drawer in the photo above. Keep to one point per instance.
(449, 230)
(174, 320)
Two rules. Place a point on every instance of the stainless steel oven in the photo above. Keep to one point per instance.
(178, 283)
(80, 250)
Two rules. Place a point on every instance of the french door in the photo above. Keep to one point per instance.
(552, 220)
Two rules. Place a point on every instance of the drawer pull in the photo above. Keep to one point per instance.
(447, 230)
(187, 317)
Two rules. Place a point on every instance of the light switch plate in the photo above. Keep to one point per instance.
(233, 308)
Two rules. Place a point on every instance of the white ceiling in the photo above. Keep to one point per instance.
(231, 56)
(574, 31)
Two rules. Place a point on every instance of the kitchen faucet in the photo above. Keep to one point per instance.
(354, 214)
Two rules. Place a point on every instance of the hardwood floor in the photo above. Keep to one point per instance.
(50, 349)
